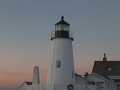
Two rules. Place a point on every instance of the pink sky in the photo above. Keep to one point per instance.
(14, 79)
(14, 75)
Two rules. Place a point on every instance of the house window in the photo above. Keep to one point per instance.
(118, 86)
(91, 83)
(58, 64)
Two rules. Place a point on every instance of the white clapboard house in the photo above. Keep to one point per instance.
(108, 69)
(25, 86)
(105, 76)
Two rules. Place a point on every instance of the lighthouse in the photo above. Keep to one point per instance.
(61, 65)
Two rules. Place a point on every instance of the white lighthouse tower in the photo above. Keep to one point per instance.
(61, 66)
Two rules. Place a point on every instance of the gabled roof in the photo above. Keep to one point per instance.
(107, 68)
(25, 83)
(28, 83)
(99, 76)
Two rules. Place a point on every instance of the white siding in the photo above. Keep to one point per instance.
(64, 75)
(24, 86)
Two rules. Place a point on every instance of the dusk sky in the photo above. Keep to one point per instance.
(25, 32)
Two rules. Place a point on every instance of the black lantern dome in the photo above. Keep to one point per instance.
(62, 22)
(62, 29)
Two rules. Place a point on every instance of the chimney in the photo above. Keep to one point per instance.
(86, 74)
(104, 58)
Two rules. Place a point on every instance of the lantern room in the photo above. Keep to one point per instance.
(62, 30)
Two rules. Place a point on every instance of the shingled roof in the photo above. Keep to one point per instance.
(107, 68)
(28, 83)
